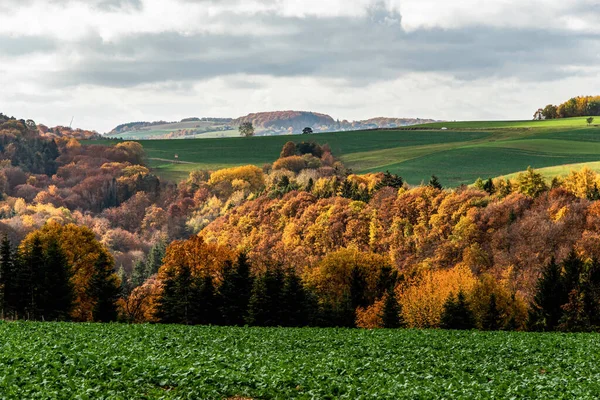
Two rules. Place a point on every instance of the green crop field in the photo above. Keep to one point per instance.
(457, 155)
(90, 361)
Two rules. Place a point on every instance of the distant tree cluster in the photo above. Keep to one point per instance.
(581, 106)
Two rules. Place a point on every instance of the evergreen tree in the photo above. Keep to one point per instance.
(235, 291)
(204, 309)
(56, 294)
(167, 310)
(154, 260)
(295, 311)
(492, 319)
(390, 315)
(390, 180)
(386, 280)
(310, 185)
(258, 306)
(550, 295)
(358, 286)
(264, 308)
(434, 182)
(573, 268)
(488, 186)
(457, 314)
(29, 279)
(138, 275)
(7, 279)
(104, 289)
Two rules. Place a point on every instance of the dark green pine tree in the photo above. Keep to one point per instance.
(168, 307)
(203, 301)
(155, 258)
(138, 275)
(235, 291)
(358, 287)
(457, 314)
(295, 307)
(104, 289)
(591, 293)
(264, 308)
(573, 268)
(310, 185)
(56, 294)
(390, 180)
(7, 279)
(434, 182)
(391, 313)
(259, 304)
(550, 295)
(488, 186)
(385, 280)
(492, 319)
(29, 279)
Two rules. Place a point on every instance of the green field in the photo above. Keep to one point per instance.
(90, 361)
(458, 155)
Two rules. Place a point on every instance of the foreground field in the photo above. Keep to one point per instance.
(458, 155)
(51, 360)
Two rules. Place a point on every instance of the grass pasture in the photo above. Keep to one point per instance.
(87, 361)
(458, 155)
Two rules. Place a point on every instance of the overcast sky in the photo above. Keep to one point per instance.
(107, 62)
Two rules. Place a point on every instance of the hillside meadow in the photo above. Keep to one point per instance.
(48, 360)
(458, 155)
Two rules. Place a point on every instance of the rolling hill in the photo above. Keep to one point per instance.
(265, 124)
(457, 155)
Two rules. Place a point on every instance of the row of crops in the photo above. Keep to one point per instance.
(91, 361)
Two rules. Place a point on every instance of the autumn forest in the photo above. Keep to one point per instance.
(91, 234)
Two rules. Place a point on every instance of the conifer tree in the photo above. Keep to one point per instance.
(358, 286)
(259, 304)
(434, 182)
(457, 314)
(235, 291)
(138, 275)
(154, 260)
(204, 309)
(385, 280)
(264, 308)
(492, 319)
(104, 289)
(7, 279)
(29, 279)
(56, 292)
(550, 295)
(168, 302)
(391, 313)
(294, 302)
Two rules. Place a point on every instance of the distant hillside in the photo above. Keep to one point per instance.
(287, 121)
(265, 124)
(279, 122)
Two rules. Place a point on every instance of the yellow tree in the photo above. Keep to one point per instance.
(423, 298)
(83, 252)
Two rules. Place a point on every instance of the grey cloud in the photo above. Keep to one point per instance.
(360, 50)
(23, 45)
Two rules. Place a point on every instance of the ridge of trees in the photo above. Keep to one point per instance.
(581, 106)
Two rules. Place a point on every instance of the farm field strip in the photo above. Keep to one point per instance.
(62, 360)
(455, 156)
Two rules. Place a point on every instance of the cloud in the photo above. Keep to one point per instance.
(261, 49)
(360, 50)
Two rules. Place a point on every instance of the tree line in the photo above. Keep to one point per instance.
(581, 106)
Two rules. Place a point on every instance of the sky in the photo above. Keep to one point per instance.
(106, 62)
